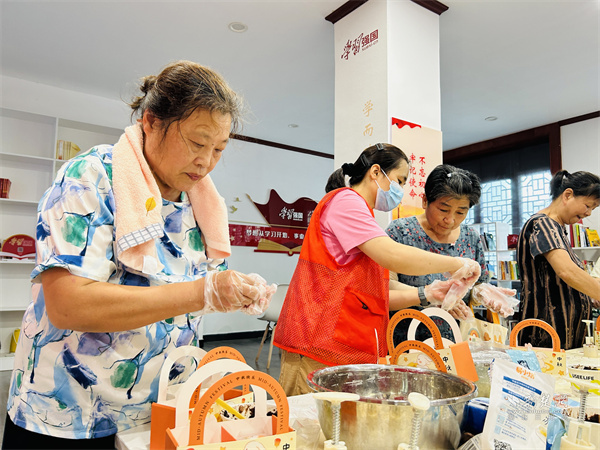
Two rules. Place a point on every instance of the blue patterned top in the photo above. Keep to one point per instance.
(79, 385)
(408, 231)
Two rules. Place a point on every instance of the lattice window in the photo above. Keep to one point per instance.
(535, 193)
(497, 205)
(496, 201)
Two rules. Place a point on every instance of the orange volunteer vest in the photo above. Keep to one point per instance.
(335, 314)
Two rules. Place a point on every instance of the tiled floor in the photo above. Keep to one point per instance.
(248, 347)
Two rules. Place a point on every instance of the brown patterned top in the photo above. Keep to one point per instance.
(543, 294)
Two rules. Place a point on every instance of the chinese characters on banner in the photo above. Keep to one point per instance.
(423, 146)
(362, 42)
(277, 212)
(287, 223)
(272, 239)
(368, 131)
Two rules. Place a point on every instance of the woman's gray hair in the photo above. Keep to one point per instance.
(184, 87)
(449, 181)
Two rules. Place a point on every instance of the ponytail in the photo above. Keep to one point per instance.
(387, 156)
(583, 184)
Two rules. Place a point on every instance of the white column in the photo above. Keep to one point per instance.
(387, 65)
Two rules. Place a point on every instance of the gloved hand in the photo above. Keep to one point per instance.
(497, 299)
(228, 291)
(436, 292)
(470, 271)
(461, 311)
(464, 278)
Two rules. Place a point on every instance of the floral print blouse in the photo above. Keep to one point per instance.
(79, 385)
(408, 231)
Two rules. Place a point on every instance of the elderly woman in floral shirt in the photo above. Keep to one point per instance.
(449, 194)
(107, 310)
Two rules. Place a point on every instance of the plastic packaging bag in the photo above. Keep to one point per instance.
(521, 400)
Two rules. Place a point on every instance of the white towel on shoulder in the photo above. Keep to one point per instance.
(138, 219)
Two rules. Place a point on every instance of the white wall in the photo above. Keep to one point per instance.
(245, 168)
(52, 101)
(580, 147)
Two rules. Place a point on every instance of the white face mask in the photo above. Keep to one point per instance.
(388, 200)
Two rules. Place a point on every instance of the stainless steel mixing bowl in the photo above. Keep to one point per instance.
(382, 418)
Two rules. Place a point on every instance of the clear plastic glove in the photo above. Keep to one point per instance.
(461, 311)
(470, 271)
(436, 292)
(464, 278)
(497, 299)
(228, 291)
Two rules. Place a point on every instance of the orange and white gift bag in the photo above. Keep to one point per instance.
(203, 432)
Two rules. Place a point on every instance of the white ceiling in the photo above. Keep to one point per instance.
(528, 63)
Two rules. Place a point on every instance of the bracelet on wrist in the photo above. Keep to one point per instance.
(422, 297)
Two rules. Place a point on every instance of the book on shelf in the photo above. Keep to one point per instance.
(491, 271)
(514, 270)
(508, 270)
(483, 242)
(66, 149)
(593, 238)
(582, 236)
(491, 244)
(485, 238)
(588, 266)
(5, 184)
(570, 235)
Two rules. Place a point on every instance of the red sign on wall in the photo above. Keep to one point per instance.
(286, 229)
(267, 239)
(278, 212)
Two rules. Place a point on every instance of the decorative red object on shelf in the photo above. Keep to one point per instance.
(19, 246)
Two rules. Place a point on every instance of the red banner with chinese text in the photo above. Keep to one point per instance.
(267, 239)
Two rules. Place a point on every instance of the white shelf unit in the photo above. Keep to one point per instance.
(499, 231)
(587, 253)
(27, 158)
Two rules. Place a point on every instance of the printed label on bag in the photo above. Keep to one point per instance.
(254, 378)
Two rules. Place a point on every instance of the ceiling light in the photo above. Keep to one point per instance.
(491, 118)
(293, 125)
(238, 27)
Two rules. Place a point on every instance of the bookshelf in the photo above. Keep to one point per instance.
(500, 259)
(589, 255)
(28, 159)
(585, 243)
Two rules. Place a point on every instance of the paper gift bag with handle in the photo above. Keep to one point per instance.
(163, 410)
(222, 352)
(456, 356)
(477, 330)
(432, 361)
(202, 431)
(553, 360)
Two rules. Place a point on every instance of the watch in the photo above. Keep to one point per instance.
(421, 292)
